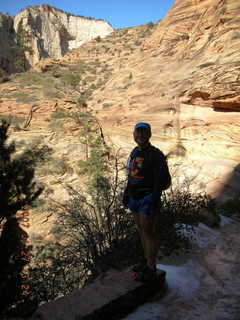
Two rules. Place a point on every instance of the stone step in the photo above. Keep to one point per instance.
(110, 297)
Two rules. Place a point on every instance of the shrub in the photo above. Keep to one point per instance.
(106, 76)
(99, 83)
(180, 213)
(55, 126)
(150, 24)
(82, 119)
(23, 97)
(137, 42)
(236, 35)
(127, 46)
(97, 63)
(30, 78)
(79, 67)
(94, 227)
(104, 68)
(93, 86)
(51, 93)
(16, 121)
(3, 77)
(56, 166)
(98, 39)
(81, 102)
(71, 79)
(107, 105)
(59, 113)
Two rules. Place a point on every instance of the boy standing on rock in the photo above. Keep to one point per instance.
(148, 176)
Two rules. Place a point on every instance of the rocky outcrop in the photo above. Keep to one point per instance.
(52, 32)
(202, 38)
(44, 32)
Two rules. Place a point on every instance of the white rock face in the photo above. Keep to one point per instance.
(52, 32)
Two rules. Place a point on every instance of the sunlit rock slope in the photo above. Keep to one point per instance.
(45, 32)
(181, 75)
(185, 81)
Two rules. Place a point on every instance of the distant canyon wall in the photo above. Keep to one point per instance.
(47, 33)
(7, 43)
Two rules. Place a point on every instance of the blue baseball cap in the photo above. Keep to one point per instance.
(143, 125)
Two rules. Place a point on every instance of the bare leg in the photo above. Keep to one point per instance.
(138, 224)
(148, 231)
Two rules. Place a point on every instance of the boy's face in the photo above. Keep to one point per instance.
(142, 137)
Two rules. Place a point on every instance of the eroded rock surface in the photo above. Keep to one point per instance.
(53, 32)
(48, 32)
(186, 83)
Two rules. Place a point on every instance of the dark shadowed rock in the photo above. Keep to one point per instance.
(110, 297)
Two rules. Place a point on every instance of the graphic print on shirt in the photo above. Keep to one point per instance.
(136, 166)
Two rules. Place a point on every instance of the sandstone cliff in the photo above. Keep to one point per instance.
(48, 33)
(53, 32)
(186, 83)
(202, 39)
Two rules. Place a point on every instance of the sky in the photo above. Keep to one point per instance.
(120, 14)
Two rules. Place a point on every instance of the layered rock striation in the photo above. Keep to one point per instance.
(201, 38)
(48, 33)
(186, 83)
(52, 32)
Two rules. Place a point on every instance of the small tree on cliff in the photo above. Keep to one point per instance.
(17, 189)
(22, 46)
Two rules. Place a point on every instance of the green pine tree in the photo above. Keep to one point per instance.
(17, 189)
(22, 46)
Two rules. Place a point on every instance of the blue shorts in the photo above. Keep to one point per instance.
(143, 206)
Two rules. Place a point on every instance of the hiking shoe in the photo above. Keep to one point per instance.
(139, 266)
(145, 274)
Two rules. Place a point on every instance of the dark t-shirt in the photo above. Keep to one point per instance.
(147, 170)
